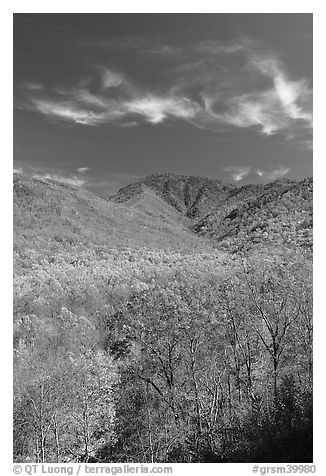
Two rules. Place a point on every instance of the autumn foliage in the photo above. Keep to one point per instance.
(158, 353)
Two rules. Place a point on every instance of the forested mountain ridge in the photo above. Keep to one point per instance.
(53, 212)
(164, 210)
(146, 331)
(193, 196)
(278, 213)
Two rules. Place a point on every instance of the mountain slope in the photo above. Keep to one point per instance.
(114, 300)
(192, 196)
(52, 215)
(278, 213)
(166, 211)
(71, 247)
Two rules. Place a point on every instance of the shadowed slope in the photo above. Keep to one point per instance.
(279, 213)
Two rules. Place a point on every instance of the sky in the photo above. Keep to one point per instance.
(101, 100)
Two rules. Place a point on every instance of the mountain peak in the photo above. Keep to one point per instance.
(278, 212)
(192, 196)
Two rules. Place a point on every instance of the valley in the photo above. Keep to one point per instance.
(169, 322)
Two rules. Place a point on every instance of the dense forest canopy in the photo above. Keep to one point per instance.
(171, 322)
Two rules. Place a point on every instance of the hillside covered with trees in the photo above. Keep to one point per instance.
(171, 322)
(278, 213)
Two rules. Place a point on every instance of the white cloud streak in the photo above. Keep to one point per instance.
(82, 170)
(75, 181)
(273, 174)
(152, 108)
(67, 111)
(238, 173)
(155, 109)
(255, 93)
(220, 48)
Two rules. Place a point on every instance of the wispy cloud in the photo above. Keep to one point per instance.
(33, 86)
(237, 173)
(111, 79)
(273, 174)
(219, 47)
(75, 181)
(38, 171)
(155, 109)
(67, 111)
(305, 144)
(163, 50)
(83, 96)
(82, 170)
(295, 97)
(109, 44)
(232, 85)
